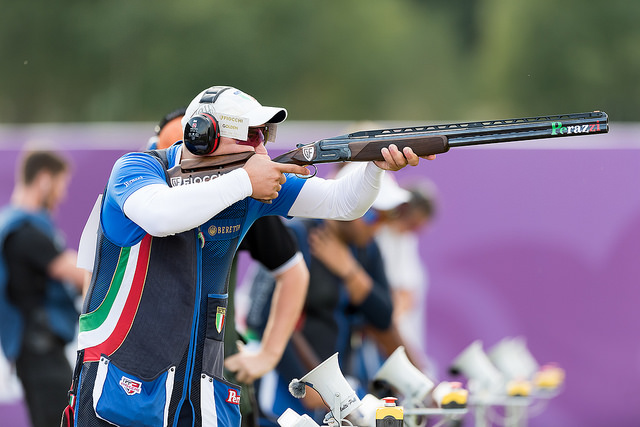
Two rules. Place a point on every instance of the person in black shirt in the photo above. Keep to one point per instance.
(38, 282)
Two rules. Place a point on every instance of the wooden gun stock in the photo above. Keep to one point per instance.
(205, 168)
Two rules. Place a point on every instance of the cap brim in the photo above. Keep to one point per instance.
(262, 115)
(390, 196)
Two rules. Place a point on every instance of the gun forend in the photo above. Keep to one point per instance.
(363, 151)
(343, 149)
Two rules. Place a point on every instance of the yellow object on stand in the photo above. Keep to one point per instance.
(389, 415)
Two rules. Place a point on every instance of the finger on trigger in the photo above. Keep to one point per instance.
(296, 169)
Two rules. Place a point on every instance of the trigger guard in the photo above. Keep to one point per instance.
(315, 172)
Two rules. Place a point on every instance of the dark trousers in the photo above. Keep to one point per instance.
(45, 374)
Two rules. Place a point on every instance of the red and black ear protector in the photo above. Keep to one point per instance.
(202, 134)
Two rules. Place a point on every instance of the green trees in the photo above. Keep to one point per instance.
(376, 59)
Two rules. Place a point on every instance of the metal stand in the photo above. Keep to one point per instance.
(334, 417)
(445, 414)
(517, 409)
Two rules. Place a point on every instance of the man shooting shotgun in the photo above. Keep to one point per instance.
(150, 342)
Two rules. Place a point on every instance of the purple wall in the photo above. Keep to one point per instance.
(543, 243)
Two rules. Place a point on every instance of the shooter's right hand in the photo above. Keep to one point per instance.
(267, 177)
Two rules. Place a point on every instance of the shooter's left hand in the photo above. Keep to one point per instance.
(395, 159)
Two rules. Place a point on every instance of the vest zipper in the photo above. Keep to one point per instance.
(193, 342)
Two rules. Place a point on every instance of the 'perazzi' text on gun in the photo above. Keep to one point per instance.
(423, 140)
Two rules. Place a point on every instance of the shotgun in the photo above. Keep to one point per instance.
(438, 139)
(424, 140)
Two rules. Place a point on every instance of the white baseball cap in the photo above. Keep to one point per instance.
(229, 101)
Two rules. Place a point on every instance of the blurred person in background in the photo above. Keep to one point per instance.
(348, 295)
(39, 282)
(398, 239)
(246, 363)
(168, 131)
(157, 356)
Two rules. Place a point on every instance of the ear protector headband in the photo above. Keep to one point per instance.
(202, 131)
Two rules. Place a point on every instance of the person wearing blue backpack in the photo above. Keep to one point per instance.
(38, 284)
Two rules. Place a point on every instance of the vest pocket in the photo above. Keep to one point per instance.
(127, 400)
(216, 316)
(213, 352)
(219, 402)
(219, 399)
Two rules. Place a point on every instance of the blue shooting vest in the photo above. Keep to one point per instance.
(59, 304)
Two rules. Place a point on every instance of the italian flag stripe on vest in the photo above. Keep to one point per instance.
(103, 330)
